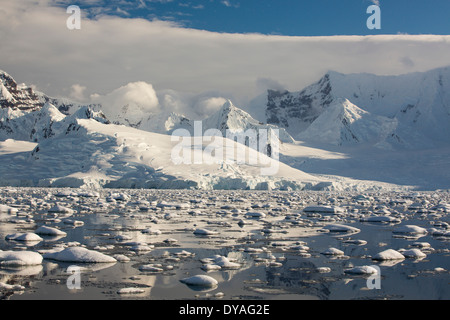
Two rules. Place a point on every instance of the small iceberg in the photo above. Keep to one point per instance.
(19, 258)
(362, 270)
(79, 254)
(26, 237)
(388, 254)
(49, 231)
(200, 281)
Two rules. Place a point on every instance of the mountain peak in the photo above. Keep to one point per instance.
(233, 119)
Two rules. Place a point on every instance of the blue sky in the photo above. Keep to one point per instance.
(283, 17)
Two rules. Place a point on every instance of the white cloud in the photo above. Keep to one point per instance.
(109, 52)
(193, 106)
(134, 98)
(229, 4)
(77, 92)
(263, 84)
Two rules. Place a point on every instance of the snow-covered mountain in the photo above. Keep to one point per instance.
(71, 145)
(418, 102)
(17, 97)
(42, 123)
(228, 118)
(232, 119)
(343, 123)
(21, 98)
(166, 123)
(97, 155)
(107, 155)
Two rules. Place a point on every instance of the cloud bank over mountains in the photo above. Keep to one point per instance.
(185, 70)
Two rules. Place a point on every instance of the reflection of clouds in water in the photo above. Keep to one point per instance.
(24, 271)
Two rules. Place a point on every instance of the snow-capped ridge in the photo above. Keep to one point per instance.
(233, 119)
(344, 123)
(43, 123)
(419, 102)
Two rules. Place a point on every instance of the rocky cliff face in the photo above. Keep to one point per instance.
(20, 97)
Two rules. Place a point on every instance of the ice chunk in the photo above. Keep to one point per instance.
(28, 236)
(11, 287)
(19, 258)
(60, 209)
(362, 270)
(382, 219)
(225, 263)
(333, 252)
(340, 228)
(252, 214)
(325, 209)
(7, 209)
(130, 291)
(151, 268)
(200, 280)
(413, 253)
(50, 231)
(204, 232)
(411, 229)
(389, 254)
(79, 254)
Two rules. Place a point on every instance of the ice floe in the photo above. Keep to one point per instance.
(340, 228)
(389, 254)
(26, 237)
(362, 270)
(200, 280)
(410, 229)
(413, 253)
(79, 254)
(49, 231)
(19, 258)
(332, 252)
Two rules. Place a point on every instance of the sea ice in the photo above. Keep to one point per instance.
(27, 237)
(389, 254)
(7, 209)
(130, 291)
(19, 258)
(204, 232)
(79, 254)
(411, 229)
(333, 252)
(362, 270)
(413, 253)
(11, 287)
(50, 231)
(341, 228)
(325, 209)
(200, 280)
(382, 219)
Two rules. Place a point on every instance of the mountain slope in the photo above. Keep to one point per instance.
(419, 102)
(106, 155)
(42, 123)
(343, 123)
(234, 120)
(23, 98)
